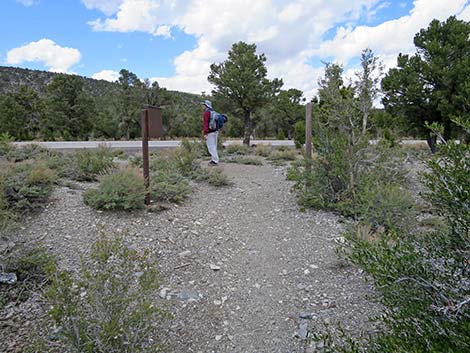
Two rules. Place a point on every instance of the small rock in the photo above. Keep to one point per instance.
(164, 292)
(189, 295)
(302, 333)
(8, 278)
(306, 316)
(307, 272)
(218, 337)
(184, 253)
(310, 349)
(214, 267)
(7, 246)
(340, 240)
(217, 302)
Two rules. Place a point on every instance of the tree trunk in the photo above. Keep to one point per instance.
(352, 179)
(247, 132)
(290, 131)
(431, 140)
(365, 117)
(128, 132)
(447, 129)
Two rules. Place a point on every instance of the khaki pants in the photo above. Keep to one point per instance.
(211, 143)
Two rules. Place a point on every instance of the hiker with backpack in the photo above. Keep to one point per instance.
(212, 123)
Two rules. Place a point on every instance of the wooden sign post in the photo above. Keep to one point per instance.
(152, 127)
(308, 132)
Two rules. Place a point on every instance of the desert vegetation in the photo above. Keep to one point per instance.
(406, 209)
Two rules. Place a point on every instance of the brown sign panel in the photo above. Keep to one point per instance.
(155, 123)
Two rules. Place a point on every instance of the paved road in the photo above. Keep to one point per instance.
(131, 146)
(134, 146)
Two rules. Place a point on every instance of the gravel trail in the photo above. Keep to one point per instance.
(242, 268)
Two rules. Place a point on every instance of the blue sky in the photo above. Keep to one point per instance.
(175, 41)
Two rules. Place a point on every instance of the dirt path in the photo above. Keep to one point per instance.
(277, 264)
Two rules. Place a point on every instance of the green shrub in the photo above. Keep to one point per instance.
(263, 150)
(422, 278)
(283, 155)
(338, 181)
(198, 148)
(215, 177)
(315, 187)
(120, 190)
(7, 218)
(169, 186)
(31, 267)
(186, 163)
(449, 188)
(387, 205)
(6, 145)
(8, 223)
(28, 185)
(61, 163)
(162, 162)
(299, 134)
(435, 223)
(89, 164)
(178, 161)
(136, 161)
(237, 149)
(281, 135)
(31, 151)
(245, 160)
(109, 305)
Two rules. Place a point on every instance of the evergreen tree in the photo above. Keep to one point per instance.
(287, 109)
(434, 84)
(241, 80)
(69, 109)
(366, 85)
(21, 113)
(131, 96)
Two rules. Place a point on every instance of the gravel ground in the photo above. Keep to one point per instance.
(242, 269)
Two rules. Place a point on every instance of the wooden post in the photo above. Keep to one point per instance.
(145, 154)
(308, 132)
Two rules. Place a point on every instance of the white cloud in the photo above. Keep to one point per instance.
(391, 37)
(57, 58)
(108, 7)
(192, 69)
(28, 2)
(263, 35)
(291, 12)
(164, 31)
(134, 15)
(107, 75)
(282, 32)
(288, 32)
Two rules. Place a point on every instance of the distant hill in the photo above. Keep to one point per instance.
(11, 78)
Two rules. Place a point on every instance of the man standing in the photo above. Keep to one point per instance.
(210, 135)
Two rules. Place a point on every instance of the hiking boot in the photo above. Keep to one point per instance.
(213, 163)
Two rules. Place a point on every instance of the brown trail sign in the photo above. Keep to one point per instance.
(152, 127)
